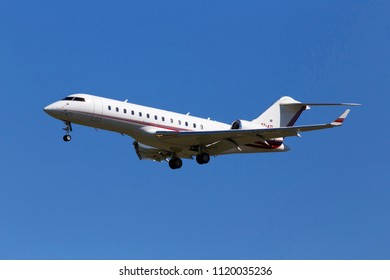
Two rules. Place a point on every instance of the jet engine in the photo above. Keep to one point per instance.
(243, 124)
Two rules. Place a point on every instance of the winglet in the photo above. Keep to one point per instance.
(339, 121)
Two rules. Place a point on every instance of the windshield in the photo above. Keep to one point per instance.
(72, 98)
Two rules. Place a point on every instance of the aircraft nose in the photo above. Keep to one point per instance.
(48, 109)
(53, 110)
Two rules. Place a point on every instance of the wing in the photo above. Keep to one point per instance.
(220, 140)
(146, 152)
(155, 154)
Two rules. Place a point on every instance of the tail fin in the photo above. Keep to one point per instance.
(284, 112)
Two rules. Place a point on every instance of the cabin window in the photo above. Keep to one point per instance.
(194, 125)
(132, 112)
(109, 107)
(125, 111)
(117, 109)
(179, 122)
(186, 123)
(201, 126)
(163, 119)
(148, 116)
(140, 114)
(171, 120)
(155, 117)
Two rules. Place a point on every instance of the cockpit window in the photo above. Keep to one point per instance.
(72, 98)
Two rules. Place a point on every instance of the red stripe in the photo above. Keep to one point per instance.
(135, 121)
(261, 145)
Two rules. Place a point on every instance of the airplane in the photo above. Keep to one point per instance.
(162, 135)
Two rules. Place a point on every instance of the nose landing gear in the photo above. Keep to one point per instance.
(68, 129)
(67, 138)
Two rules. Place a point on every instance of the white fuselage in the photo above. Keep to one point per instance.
(162, 134)
(139, 122)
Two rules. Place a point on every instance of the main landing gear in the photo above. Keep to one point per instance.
(175, 163)
(203, 158)
(68, 129)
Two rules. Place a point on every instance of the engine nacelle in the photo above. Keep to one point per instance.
(243, 124)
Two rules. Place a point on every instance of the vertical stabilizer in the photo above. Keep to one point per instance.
(284, 112)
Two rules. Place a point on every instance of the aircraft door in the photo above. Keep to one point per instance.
(97, 109)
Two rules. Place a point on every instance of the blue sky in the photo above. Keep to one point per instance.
(328, 198)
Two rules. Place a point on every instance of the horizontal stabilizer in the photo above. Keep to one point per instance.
(320, 104)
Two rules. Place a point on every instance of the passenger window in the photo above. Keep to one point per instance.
(125, 111)
(148, 116)
(132, 112)
(117, 109)
(186, 123)
(180, 122)
(140, 114)
(109, 107)
(171, 120)
(155, 117)
(201, 126)
(194, 125)
(163, 119)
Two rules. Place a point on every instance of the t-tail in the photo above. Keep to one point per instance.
(280, 115)
(286, 111)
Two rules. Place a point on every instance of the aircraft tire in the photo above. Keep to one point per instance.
(67, 138)
(175, 163)
(203, 158)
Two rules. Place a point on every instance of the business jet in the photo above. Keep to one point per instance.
(162, 135)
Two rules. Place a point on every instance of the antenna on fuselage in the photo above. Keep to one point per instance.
(126, 100)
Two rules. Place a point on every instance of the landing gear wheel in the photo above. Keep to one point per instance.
(68, 129)
(67, 138)
(203, 158)
(175, 163)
